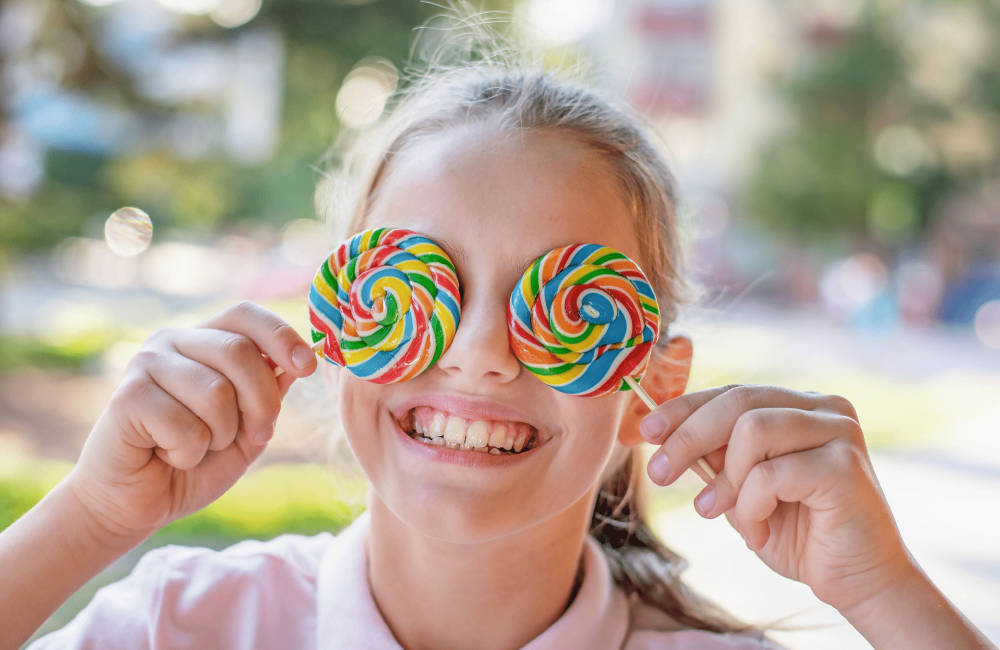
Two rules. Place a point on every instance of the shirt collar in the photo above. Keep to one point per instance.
(348, 617)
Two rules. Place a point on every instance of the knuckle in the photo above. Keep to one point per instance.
(841, 405)
(683, 440)
(239, 346)
(221, 390)
(751, 427)
(285, 332)
(145, 358)
(738, 399)
(134, 389)
(281, 329)
(765, 471)
(852, 430)
(197, 435)
(243, 309)
(847, 459)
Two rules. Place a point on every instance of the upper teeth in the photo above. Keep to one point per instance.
(498, 437)
(478, 434)
(440, 428)
(455, 431)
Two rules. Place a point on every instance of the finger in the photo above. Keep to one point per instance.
(219, 470)
(806, 476)
(285, 382)
(656, 426)
(205, 391)
(272, 335)
(178, 436)
(716, 459)
(762, 434)
(236, 357)
(711, 425)
(659, 422)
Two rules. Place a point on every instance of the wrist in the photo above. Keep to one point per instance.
(910, 612)
(890, 590)
(94, 527)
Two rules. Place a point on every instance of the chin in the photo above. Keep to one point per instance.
(459, 518)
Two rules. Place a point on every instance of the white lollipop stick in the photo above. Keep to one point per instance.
(702, 469)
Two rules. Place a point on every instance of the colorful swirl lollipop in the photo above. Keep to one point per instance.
(385, 304)
(584, 319)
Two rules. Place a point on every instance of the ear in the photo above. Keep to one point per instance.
(666, 378)
(331, 373)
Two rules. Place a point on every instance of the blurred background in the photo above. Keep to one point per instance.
(839, 163)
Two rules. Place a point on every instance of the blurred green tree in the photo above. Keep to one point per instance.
(884, 110)
(322, 41)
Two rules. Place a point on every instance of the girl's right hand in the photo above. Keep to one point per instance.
(195, 408)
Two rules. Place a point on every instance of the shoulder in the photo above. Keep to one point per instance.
(652, 629)
(286, 557)
(196, 586)
(177, 593)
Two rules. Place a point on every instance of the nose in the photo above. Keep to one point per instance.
(480, 351)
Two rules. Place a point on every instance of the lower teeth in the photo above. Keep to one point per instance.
(441, 443)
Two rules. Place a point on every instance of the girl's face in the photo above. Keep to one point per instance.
(495, 205)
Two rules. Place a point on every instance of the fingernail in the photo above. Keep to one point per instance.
(704, 501)
(659, 467)
(302, 357)
(653, 426)
(264, 435)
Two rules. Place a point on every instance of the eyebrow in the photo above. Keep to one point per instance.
(460, 255)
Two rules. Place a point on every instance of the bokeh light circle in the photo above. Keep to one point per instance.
(128, 231)
(362, 98)
(988, 324)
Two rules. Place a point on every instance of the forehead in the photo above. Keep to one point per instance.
(507, 198)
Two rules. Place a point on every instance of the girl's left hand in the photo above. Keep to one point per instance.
(794, 478)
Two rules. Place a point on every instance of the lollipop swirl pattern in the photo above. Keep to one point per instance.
(386, 303)
(583, 318)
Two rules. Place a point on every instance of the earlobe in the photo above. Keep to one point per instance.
(331, 373)
(669, 369)
(666, 378)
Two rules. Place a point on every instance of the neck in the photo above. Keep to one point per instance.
(440, 594)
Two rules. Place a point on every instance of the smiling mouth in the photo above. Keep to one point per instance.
(433, 427)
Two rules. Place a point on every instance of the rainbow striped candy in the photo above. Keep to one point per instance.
(583, 318)
(386, 302)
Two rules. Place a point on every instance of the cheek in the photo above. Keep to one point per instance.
(592, 425)
(358, 403)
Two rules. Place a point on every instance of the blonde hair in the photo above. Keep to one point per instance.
(487, 83)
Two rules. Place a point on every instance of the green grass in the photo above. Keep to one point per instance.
(80, 351)
(269, 501)
(74, 355)
(275, 499)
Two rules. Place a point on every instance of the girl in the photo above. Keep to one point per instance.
(544, 548)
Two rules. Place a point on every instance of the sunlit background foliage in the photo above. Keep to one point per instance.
(171, 112)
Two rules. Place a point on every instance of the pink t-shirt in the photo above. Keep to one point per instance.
(312, 592)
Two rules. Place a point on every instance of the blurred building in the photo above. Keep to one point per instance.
(712, 76)
(702, 69)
